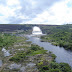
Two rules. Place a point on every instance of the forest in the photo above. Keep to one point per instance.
(6, 40)
(60, 36)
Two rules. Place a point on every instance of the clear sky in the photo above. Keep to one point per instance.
(35, 12)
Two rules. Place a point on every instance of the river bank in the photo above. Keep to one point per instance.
(25, 56)
(61, 38)
(22, 58)
(62, 54)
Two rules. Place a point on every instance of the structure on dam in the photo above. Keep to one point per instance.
(36, 31)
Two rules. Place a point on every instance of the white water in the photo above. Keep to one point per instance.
(36, 31)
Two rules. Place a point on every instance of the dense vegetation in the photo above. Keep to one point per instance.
(43, 65)
(53, 67)
(22, 52)
(6, 40)
(61, 36)
(22, 55)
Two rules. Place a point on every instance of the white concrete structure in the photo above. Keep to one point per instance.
(36, 31)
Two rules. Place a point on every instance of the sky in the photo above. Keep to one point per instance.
(52, 12)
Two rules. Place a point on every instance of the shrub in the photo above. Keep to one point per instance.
(64, 67)
(54, 70)
(53, 55)
(44, 68)
(40, 64)
(54, 65)
(18, 57)
(35, 47)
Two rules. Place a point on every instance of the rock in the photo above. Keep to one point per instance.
(31, 65)
(15, 66)
(22, 69)
(0, 63)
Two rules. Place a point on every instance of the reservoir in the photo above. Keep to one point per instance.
(62, 54)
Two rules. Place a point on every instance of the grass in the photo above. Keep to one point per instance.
(33, 50)
(18, 57)
(37, 52)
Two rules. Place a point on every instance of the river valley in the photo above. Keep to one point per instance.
(62, 54)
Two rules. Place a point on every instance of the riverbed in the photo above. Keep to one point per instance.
(62, 54)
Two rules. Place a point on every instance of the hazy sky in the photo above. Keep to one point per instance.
(35, 11)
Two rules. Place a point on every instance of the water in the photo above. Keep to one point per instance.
(62, 54)
(0, 63)
(36, 31)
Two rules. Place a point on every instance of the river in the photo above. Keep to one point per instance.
(62, 54)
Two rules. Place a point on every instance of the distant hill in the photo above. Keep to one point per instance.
(12, 27)
(47, 29)
(25, 27)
